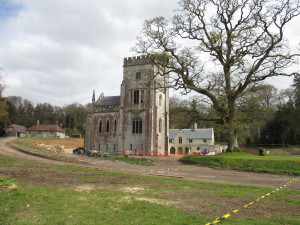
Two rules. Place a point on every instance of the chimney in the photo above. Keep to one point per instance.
(37, 122)
(195, 126)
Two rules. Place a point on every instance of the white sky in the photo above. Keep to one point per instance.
(58, 51)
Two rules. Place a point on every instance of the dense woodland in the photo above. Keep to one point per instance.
(267, 116)
(16, 110)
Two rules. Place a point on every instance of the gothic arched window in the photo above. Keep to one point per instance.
(107, 126)
(160, 100)
(115, 126)
(100, 126)
(159, 125)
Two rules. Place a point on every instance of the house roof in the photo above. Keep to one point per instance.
(18, 128)
(46, 128)
(192, 134)
(108, 101)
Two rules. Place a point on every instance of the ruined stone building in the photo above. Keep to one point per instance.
(137, 120)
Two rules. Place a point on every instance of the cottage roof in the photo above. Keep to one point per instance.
(46, 128)
(192, 133)
(108, 101)
(18, 128)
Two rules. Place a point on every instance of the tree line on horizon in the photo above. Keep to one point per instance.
(266, 115)
(16, 110)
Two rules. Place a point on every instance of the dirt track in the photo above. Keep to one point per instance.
(164, 166)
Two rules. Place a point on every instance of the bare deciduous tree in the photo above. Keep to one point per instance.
(219, 48)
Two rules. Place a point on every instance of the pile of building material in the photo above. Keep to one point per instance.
(59, 149)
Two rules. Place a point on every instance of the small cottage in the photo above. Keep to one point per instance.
(15, 130)
(46, 131)
(186, 141)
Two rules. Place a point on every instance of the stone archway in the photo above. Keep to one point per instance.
(180, 151)
(186, 151)
(172, 151)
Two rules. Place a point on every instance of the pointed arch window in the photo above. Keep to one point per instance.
(160, 100)
(159, 125)
(100, 126)
(107, 126)
(115, 126)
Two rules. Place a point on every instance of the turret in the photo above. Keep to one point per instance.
(93, 98)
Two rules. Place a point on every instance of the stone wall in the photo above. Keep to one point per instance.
(45, 134)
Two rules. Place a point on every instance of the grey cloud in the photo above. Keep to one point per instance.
(58, 51)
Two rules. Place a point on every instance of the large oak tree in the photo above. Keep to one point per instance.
(219, 48)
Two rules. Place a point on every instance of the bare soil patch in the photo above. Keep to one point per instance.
(59, 146)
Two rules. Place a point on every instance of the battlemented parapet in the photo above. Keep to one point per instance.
(137, 60)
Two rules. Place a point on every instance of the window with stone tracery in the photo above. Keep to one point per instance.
(137, 126)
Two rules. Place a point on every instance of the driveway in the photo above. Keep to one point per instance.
(163, 167)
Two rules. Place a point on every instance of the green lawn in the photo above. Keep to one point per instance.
(243, 161)
(57, 194)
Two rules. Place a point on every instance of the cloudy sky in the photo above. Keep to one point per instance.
(58, 51)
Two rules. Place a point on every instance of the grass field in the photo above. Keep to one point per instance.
(37, 193)
(289, 164)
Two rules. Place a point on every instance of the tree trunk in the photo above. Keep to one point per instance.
(232, 140)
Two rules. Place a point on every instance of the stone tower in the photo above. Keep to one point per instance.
(137, 120)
